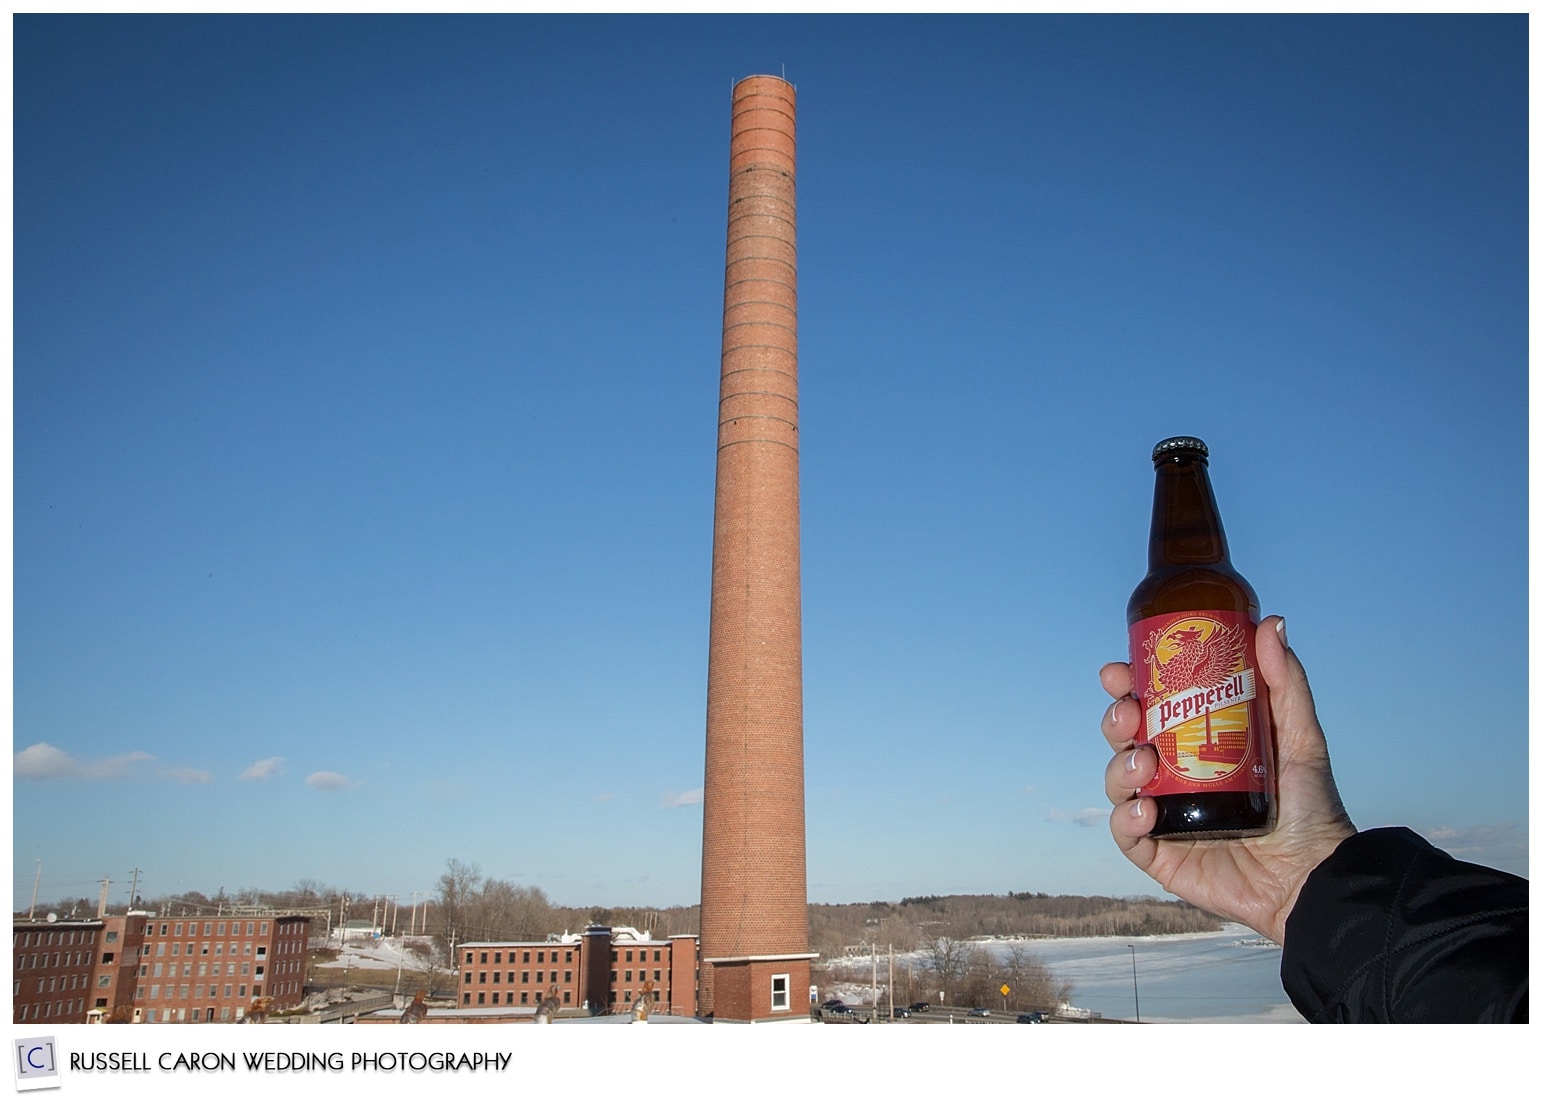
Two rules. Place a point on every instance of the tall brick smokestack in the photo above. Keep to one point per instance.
(754, 891)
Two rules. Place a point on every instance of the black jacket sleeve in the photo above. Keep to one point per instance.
(1390, 929)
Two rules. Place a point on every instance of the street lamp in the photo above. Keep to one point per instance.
(1134, 979)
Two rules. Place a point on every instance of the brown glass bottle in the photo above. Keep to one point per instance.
(1203, 703)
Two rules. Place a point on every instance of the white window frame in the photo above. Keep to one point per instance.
(785, 994)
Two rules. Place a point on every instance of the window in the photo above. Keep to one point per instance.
(567, 975)
(629, 959)
(481, 998)
(527, 957)
(104, 981)
(465, 999)
(179, 930)
(470, 957)
(780, 1000)
(107, 958)
(468, 977)
(112, 936)
(484, 956)
(220, 931)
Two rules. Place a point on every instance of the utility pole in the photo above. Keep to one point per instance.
(891, 981)
(32, 911)
(1136, 981)
(101, 901)
(875, 978)
(134, 889)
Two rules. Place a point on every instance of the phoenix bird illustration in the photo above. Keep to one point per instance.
(1201, 663)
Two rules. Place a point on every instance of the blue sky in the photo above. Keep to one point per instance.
(364, 395)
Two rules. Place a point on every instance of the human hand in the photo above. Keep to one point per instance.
(1253, 881)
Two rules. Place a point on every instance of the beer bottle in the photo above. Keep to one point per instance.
(1203, 703)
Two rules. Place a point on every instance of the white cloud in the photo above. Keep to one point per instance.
(187, 775)
(326, 779)
(263, 769)
(679, 800)
(603, 797)
(43, 761)
(1503, 846)
(1081, 817)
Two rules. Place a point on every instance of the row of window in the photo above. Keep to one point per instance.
(203, 951)
(524, 998)
(203, 969)
(76, 959)
(37, 1012)
(524, 977)
(209, 929)
(179, 991)
(47, 984)
(24, 938)
(540, 956)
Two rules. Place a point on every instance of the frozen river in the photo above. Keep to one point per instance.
(1223, 976)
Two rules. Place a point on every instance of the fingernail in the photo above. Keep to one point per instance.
(1136, 808)
(1279, 627)
(1113, 714)
(1129, 760)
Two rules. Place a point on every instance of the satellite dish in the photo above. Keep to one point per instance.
(52, 917)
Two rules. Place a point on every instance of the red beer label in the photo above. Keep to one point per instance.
(1202, 701)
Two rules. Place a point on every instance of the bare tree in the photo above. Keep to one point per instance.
(948, 960)
(457, 891)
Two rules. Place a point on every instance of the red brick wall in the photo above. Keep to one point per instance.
(743, 991)
(754, 883)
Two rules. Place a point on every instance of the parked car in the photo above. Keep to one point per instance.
(1033, 1017)
(836, 1007)
(902, 1012)
(831, 1004)
(979, 1012)
(919, 1007)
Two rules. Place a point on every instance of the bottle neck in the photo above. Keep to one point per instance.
(1185, 521)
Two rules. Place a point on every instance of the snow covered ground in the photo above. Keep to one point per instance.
(1220, 976)
(376, 953)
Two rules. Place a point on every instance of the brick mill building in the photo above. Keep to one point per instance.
(603, 970)
(754, 893)
(143, 968)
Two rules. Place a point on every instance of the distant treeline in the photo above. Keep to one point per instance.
(834, 928)
(469, 907)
